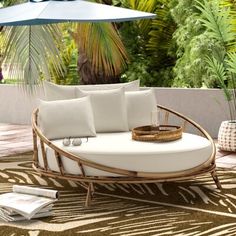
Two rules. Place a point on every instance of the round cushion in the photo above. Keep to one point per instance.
(118, 150)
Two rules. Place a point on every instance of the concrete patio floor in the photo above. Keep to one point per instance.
(16, 139)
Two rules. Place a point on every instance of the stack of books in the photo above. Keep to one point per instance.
(25, 203)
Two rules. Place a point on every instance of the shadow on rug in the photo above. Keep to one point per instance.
(185, 208)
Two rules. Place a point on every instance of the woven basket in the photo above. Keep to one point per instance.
(162, 133)
(227, 136)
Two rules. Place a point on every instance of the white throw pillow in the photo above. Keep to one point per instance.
(129, 86)
(58, 92)
(109, 109)
(62, 92)
(140, 105)
(66, 118)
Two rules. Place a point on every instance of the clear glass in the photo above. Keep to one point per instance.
(155, 118)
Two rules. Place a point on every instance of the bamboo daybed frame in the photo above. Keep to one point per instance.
(127, 176)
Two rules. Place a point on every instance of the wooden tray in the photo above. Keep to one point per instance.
(162, 133)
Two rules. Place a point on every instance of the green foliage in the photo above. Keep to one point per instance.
(191, 43)
(6, 3)
(216, 20)
(103, 47)
(149, 44)
(171, 49)
(217, 17)
(140, 69)
(192, 46)
(69, 55)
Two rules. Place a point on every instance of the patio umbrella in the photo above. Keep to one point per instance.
(36, 12)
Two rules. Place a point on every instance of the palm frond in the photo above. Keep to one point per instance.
(231, 62)
(218, 70)
(103, 46)
(144, 5)
(216, 20)
(29, 49)
(162, 29)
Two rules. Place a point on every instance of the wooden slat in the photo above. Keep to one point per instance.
(81, 168)
(89, 196)
(59, 162)
(45, 160)
(124, 179)
(35, 146)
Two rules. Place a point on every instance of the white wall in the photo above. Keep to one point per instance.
(16, 105)
(205, 106)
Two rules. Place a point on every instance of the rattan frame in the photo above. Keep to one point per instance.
(127, 176)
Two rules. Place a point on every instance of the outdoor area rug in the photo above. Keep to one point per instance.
(184, 208)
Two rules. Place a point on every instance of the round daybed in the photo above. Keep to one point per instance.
(116, 158)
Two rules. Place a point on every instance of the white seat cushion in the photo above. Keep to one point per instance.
(118, 150)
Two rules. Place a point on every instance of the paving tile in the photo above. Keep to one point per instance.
(15, 139)
(220, 154)
(230, 159)
(225, 165)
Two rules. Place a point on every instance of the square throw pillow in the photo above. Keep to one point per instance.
(62, 92)
(109, 109)
(140, 105)
(58, 92)
(66, 118)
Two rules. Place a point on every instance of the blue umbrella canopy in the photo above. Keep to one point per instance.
(36, 12)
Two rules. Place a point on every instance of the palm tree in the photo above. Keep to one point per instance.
(102, 55)
(100, 48)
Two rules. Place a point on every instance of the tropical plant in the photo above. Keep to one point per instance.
(102, 55)
(149, 43)
(28, 51)
(192, 45)
(69, 55)
(219, 19)
(107, 61)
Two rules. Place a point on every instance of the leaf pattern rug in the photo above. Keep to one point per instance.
(183, 208)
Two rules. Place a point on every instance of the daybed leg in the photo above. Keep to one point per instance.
(215, 178)
(89, 196)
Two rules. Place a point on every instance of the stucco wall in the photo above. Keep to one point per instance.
(16, 105)
(206, 106)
